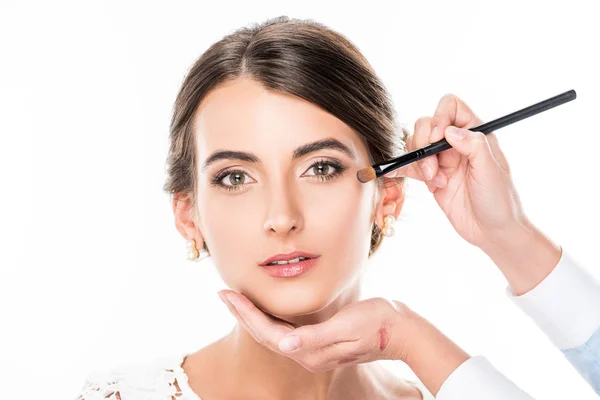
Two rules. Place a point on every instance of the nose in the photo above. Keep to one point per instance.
(283, 214)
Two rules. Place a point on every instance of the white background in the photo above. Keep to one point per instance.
(93, 271)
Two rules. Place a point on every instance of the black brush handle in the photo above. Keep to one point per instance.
(434, 148)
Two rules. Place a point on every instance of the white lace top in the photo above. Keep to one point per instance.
(162, 379)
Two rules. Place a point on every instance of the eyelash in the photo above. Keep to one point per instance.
(339, 169)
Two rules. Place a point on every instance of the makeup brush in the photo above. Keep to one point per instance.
(377, 170)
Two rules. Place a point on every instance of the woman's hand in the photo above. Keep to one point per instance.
(471, 182)
(365, 331)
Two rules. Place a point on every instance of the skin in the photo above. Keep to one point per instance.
(282, 206)
(472, 185)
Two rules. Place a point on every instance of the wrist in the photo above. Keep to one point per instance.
(430, 354)
(404, 324)
(524, 255)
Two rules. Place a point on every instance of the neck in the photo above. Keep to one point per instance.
(263, 373)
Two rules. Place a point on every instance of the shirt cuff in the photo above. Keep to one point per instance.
(565, 305)
(477, 379)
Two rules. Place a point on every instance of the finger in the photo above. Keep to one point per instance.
(413, 170)
(440, 180)
(473, 145)
(410, 170)
(268, 330)
(429, 165)
(496, 151)
(240, 319)
(409, 143)
(421, 139)
(431, 186)
(449, 160)
(318, 336)
(451, 110)
(335, 356)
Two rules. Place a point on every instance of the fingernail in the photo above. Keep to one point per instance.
(427, 170)
(433, 132)
(456, 132)
(289, 343)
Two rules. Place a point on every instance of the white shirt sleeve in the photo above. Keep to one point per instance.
(477, 379)
(565, 305)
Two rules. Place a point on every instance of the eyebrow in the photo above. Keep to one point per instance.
(329, 143)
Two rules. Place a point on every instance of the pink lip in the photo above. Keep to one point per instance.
(287, 257)
(290, 270)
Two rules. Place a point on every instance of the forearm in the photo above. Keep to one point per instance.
(524, 255)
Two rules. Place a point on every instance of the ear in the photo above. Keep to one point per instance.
(184, 219)
(391, 200)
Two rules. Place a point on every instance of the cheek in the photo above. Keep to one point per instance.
(340, 217)
(229, 226)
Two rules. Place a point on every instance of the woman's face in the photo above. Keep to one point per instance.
(272, 201)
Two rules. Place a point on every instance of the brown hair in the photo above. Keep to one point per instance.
(300, 57)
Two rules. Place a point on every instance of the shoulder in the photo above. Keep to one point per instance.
(156, 380)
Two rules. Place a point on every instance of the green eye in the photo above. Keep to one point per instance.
(237, 179)
(321, 169)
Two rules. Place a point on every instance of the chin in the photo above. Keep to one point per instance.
(289, 301)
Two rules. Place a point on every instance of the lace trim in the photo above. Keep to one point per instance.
(164, 379)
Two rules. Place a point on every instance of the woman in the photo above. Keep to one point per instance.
(271, 124)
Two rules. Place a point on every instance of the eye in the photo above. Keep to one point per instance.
(236, 178)
(231, 179)
(325, 170)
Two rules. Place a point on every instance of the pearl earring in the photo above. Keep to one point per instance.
(388, 226)
(193, 253)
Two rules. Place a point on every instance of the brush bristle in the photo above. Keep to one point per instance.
(366, 175)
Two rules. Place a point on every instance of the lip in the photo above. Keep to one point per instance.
(291, 270)
(287, 257)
